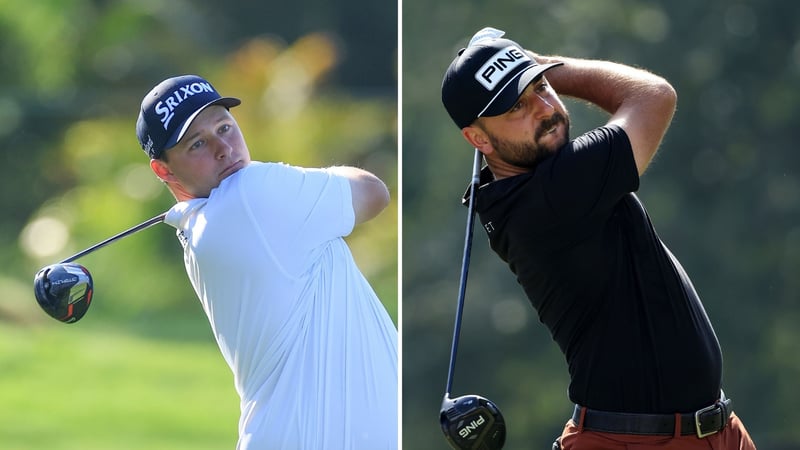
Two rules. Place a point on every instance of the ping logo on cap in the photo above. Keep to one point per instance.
(499, 65)
(165, 108)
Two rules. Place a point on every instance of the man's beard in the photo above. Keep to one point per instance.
(530, 154)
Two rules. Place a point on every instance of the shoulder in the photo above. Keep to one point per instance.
(290, 181)
(275, 168)
(608, 136)
(256, 167)
(263, 172)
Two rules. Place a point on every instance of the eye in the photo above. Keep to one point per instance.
(197, 144)
(542, 87)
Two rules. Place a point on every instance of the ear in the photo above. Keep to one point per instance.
(478, 139)
(161, 170)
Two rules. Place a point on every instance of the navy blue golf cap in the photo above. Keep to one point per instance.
(169, 109)
(487, 77)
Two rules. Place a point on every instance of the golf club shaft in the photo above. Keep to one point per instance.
(146, 224)
(462, 285)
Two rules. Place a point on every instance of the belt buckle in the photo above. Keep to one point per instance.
(698, 427)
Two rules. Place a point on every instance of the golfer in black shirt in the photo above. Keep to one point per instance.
(644, 362)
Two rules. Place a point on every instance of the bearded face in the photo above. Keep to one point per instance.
(550, 135)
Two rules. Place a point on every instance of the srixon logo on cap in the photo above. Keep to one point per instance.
(166, 107)
(499, 65)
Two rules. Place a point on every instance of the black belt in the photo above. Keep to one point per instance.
(704, 422)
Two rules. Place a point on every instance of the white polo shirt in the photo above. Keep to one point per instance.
(312, 349)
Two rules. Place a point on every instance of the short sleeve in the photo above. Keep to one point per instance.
(590, 173)
(301, 204)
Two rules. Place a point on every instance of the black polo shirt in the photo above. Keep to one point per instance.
(620, 306)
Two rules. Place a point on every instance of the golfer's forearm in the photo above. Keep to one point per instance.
(603, 83)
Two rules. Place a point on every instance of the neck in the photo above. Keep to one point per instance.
(501, 169)
(180, 194)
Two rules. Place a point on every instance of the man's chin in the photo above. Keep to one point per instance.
(556, 140)
(553, 145)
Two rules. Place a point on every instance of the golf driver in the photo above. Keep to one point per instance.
(469, 421)
(64, 290)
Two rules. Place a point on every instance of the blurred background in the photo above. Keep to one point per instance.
(141, 369)
(724, 194)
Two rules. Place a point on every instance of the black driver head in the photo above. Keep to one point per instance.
(64, 291)
(472, 422)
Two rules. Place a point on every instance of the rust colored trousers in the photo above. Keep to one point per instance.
(733, 437)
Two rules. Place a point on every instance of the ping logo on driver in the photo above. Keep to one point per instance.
(471, 427)
(500, 64)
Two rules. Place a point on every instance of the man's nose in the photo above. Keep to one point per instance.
(543, 108)
(222, 149)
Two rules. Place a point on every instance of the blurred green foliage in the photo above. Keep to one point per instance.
(723, 192)
(319, 88)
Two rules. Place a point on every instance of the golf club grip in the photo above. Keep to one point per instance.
(462, 285)
(146, 224)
